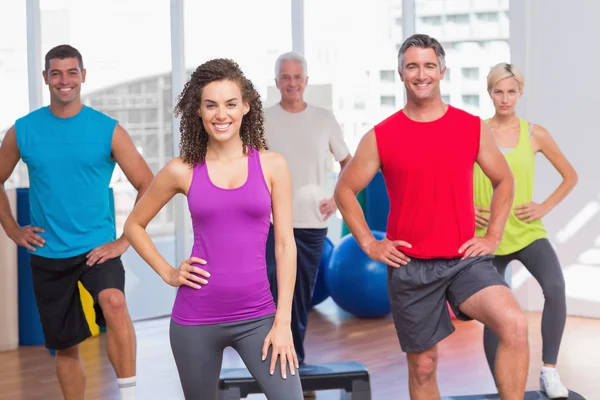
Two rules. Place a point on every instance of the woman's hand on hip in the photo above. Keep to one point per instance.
(188, 275)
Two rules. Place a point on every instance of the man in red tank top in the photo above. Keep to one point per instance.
(426, 153)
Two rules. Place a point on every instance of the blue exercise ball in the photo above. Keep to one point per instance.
(320, 292)
(357, 283)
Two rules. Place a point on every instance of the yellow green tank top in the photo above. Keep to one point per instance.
(517, 234)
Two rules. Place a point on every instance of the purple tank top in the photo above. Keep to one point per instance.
(230, 233)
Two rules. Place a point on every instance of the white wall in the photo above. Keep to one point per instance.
(554, 42)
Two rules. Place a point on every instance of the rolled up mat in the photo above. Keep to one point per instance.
(377, 203)
(30, 327)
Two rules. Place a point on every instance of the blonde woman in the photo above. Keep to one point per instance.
(525, 238)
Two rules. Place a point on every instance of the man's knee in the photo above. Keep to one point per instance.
(513, 327)
(69, 352)
(112, 302)
(422, 366)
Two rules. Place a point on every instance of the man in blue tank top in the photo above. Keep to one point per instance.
(70, 151)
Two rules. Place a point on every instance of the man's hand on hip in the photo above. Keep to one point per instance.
(327, 208)
(107, 251)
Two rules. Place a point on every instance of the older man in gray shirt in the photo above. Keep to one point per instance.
(306, 136)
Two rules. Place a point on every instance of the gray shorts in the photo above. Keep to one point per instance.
(418, 293)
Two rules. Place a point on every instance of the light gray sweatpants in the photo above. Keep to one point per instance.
(198, 352)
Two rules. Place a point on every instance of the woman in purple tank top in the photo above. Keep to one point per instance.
(232, 185)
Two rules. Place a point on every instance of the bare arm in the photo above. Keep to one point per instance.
(131, 162)
(356, 175)
(285, 244)
(9, 157)
(345, 162)
(139, 175)
(548, 147)
(280, 336)
(494, 166)
(174, 178)
(327, 207)
(337, 145)
(164, 187)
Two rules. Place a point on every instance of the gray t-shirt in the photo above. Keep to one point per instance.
(305, 139)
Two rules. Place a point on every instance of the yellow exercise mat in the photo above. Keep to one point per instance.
(88, 309)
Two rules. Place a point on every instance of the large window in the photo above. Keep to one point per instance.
(488, 16)
(14, 101)
(363, 67)
(388, 101)
(252, 33)
(470, 73)
(122, 79)
(128, 76)
(361, 40)
(388, 76)
(470, 100)
(475, 37)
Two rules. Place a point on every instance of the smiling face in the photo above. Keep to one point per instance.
(291, 81)
(222, 110)
(64, 78)
(421, 74)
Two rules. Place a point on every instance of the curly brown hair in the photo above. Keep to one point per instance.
(194, 138)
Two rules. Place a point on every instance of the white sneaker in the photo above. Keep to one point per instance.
(551, 385)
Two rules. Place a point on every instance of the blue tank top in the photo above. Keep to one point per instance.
(70, 167)
(230, 233)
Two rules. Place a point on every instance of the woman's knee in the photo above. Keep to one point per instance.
(555, 289)
(289, 388)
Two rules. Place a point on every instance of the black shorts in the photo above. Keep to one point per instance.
(58, 298)
(418, 293)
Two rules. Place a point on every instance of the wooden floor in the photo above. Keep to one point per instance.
(28, 373)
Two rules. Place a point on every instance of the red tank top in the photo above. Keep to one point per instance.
(428, 172)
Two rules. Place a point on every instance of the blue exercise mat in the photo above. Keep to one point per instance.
(537, 395)
(30, 327)
(377, 204)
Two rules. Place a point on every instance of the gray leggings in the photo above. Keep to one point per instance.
(541, 261)
(198, 352)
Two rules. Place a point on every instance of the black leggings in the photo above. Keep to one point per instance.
(541, 261)
(198, 352)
